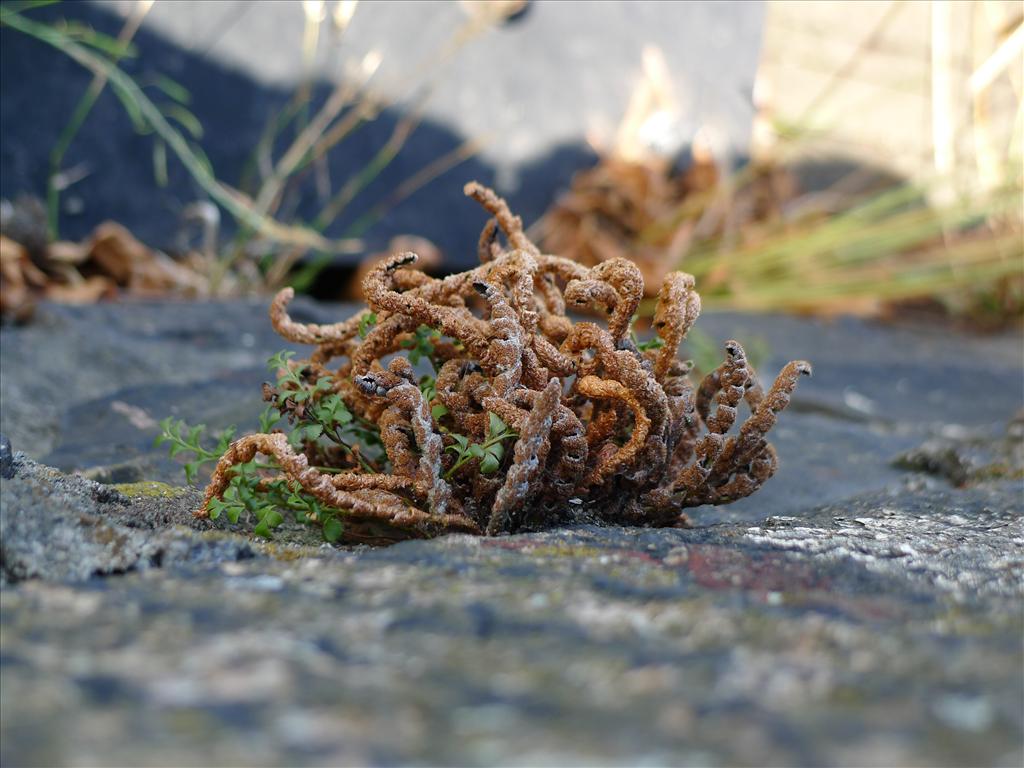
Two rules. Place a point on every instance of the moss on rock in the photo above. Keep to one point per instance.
(150, 489)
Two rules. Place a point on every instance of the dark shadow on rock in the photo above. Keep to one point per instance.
(547, 177)
(539, 184)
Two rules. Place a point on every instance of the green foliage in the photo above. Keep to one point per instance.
(652, 343)
(366, 322)
(265, 501)
(315, 417)
(421, 346)
(428, 386)
(886, 246)
(250, 493)
(316, 411)
(185, 439)
(489, 453)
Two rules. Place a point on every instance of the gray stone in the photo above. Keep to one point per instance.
(65, 528)
(108, 350)
(862, 634)
(963, 456)
(849, 613)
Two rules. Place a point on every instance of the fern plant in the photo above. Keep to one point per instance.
(318, 423)
(316, 420)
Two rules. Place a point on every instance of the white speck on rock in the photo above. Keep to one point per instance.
(966, 713)
(858, 402)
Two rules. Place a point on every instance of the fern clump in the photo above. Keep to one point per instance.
(475, 403)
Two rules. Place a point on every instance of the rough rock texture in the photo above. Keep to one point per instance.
(67, 528)
(850, 613)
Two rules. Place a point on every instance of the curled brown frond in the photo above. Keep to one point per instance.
(531, 451)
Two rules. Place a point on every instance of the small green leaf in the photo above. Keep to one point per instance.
(201, 156)
(186, 119)
(476, 451)
(131, 108)
(280, 360)
(332, 529)
(160, 163)
(489, 464)
(86, 35)
(268, 419)
(366, 322)
(654, 343)
(172, 88)
(495, 426)
(438, 411)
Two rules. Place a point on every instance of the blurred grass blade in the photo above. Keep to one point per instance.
(160, 163)
(173, 89)
(185, 119)
(231, 200)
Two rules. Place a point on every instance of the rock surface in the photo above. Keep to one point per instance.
(850, 613)
(66, 528)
